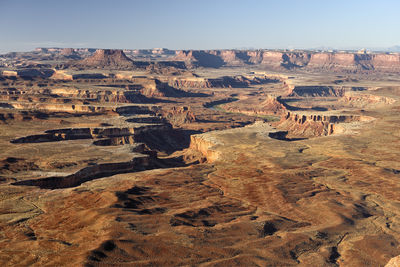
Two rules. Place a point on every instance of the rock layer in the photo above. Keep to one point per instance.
(313, 61)
(317, 125)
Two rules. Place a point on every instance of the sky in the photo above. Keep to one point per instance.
(201, 24)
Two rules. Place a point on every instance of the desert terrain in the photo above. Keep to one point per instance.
(199, 158)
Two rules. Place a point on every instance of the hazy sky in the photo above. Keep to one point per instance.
(201, 24)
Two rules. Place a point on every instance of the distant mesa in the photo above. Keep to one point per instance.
(170, 62)
(70, 53)
(349, 62)
(109, 58)
(200, 59)
(28, 73)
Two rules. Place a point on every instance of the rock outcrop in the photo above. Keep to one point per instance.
(291, 60)
(317, 91)
(198, 58)
(316, 125)
(366, 100)
(221, 82)
(69, 53)
(321, 91)
(205, 145)
(140, 163)
(179, 115)
(91, 133)
(108, 58)
(313, 61)
(28, 73)
(270, 106)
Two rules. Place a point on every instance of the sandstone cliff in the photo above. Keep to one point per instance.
(221, 82)
(204, 144)
(291, 60)
(199, 58)
(316, 125)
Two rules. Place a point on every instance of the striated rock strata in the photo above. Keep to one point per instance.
(308, 60)
(316, 125)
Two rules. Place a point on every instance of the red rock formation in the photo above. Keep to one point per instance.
(108, 58)
(366, 100)
(333, 61)
(290, 60)
(204, 144)
(233, 57)
(270, 106)
(272, 58)
(200, 58)
(314, 61)
(67, 52)
(222, 82)
(386, 62)
(316, 125)
(255, 57)
(156, 88)
(313, 91)
(179, 115)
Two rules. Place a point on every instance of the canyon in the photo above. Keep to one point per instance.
(156, 157)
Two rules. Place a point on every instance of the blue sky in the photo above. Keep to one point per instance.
(187, 24)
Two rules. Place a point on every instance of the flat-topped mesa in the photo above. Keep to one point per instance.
(221, 82)
(67, 51)
(317, 91)
(301, 119)
(70, 53)
(28, 73)
(213, 145)
(138, 163)
(333, 61)
(291, 60)
(366, 100)
(278, 60)
(321, 90)
(232, 57)
(354, 62)
(108, 58)
(92, 133)
(386, 61)
(316, 125)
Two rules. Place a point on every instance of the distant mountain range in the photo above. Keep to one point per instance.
(395, 48)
